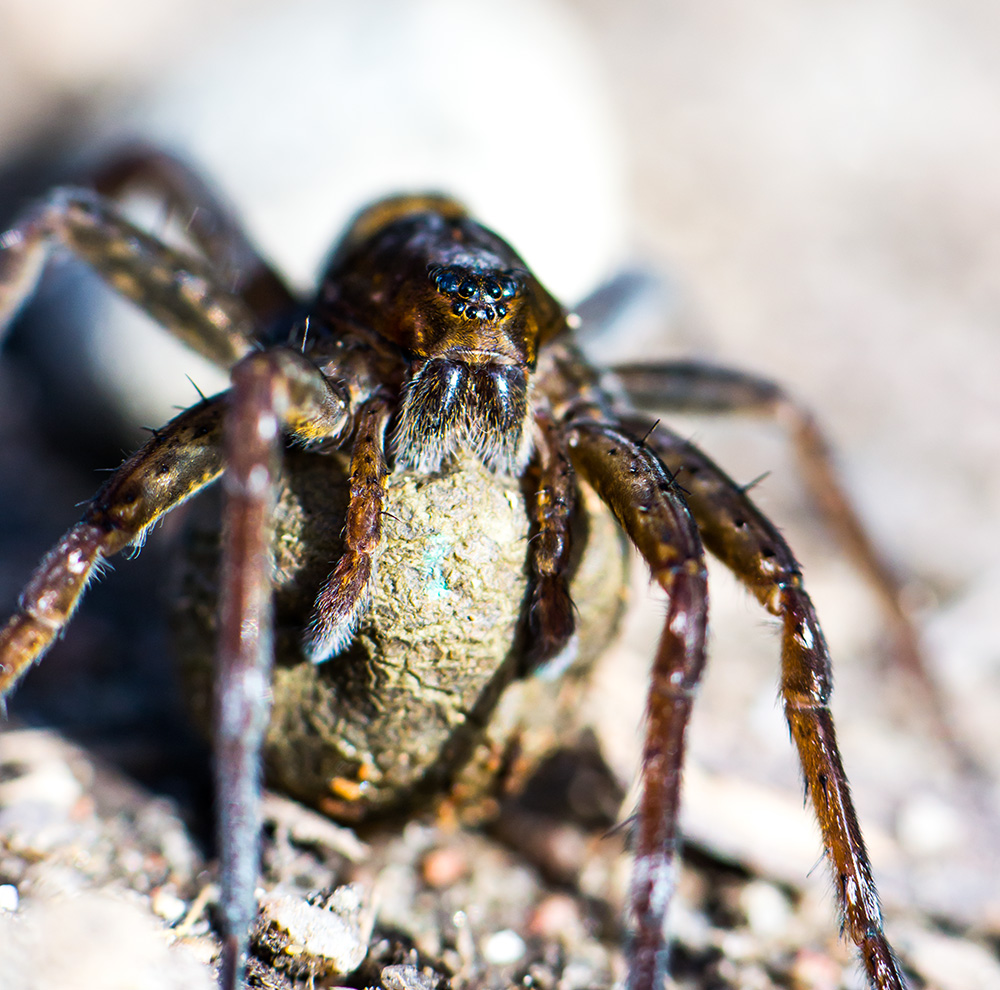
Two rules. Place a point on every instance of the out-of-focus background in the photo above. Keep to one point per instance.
(818, 183)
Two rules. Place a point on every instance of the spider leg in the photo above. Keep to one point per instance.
(737, 533)
(178, 461)
(208, 220)
(274, 392)
(630, 478)
(685, 386)
(550, 618)
(178, 290)
(344, 597)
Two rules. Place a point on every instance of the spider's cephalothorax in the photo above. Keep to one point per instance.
(466, 319)
(430, 343)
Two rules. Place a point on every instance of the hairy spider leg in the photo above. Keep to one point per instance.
(551, 501)
(176, 289)
(206, 218)
(737, 533)
(187, 296)
(344, 597)
(641, 493)
(179, 460)
(274, 393)
(691, 386)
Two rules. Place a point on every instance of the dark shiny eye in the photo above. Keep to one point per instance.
(446, 280)
(501, 310)
(467, 289)
(458, 307)
(508, 287)
(492, 289)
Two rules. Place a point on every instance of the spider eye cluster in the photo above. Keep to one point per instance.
(475, 295)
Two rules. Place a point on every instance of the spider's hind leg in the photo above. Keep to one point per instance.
(207, 220)
(696, 387)
(178, 289)
(737, 533)
(643, 496)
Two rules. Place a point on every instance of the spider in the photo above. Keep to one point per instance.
(430, 349)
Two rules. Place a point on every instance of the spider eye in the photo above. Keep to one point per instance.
(445, 280)
(479, 292)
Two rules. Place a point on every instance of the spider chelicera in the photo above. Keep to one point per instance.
(430, 345)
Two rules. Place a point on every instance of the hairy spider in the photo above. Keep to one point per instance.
(429, 350)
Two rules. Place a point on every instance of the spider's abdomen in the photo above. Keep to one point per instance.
(428, 693)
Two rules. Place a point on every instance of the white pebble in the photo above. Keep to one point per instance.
(503, 948)
(168, 906)
(766, 908)
(927, 826)
(8, 897)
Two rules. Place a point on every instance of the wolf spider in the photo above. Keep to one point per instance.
(430, 340)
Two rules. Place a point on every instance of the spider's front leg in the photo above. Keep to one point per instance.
(274, 393)
(550, 618)
(343, 599)
(643, 496)
(178, 461)
(737, 533)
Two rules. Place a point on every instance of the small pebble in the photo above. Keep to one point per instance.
(581, 975)
(8, 897)
(766, 908)
(503, 948)
(406, 977)
(738, 946)
(554, 916)
(949, 963)
(314, 939)
(927, 826)
(815, 971)
(444, 867)
(168, 906)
